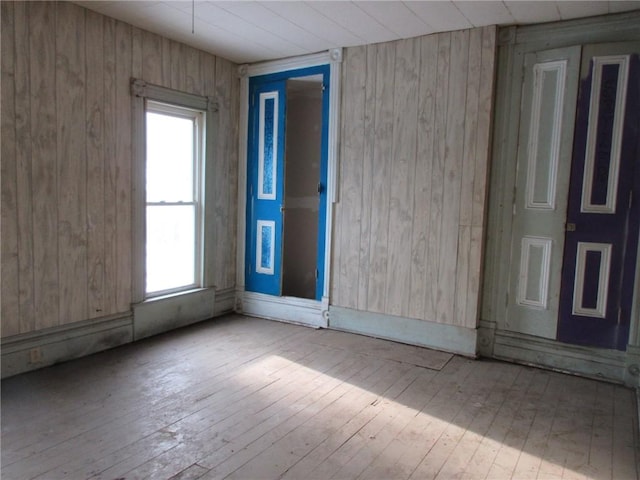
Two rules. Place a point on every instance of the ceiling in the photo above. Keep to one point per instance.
(252, 31)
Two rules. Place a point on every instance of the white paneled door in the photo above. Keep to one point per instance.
(540, 203)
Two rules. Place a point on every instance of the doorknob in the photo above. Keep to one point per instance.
(571, 227)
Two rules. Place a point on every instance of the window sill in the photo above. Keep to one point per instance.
(166, 296)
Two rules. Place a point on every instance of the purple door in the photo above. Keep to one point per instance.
(601, 239)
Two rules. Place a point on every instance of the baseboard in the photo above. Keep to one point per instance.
(448, 338)
(632, 367)
(159, 315)
(590, 362)
(225, 301)
(486, 330)
(300, 311)
(31, 351)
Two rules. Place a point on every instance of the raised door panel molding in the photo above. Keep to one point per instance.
(268, 146)
(545, 132)
(604, 135)
(265, 246)
(533, 282)
(593, 265)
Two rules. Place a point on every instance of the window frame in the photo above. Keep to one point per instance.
(198, 117)
(142, 93)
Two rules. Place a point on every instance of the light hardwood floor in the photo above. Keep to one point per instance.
(245, 398)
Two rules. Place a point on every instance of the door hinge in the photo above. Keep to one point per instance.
(319, 187)
(317, 274)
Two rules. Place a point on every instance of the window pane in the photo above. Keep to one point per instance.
(169, 158)
(170, 247)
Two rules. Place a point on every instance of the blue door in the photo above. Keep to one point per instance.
(603, 209)
(266, 184)
(265, 187)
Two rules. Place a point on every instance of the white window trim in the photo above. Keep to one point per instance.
(141, 92)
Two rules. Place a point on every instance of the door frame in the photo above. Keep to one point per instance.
(289, 309)
(494, 341)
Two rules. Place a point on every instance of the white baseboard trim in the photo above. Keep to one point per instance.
(591, 362)
(159, 315)
(300, 311)
(449, 338)
(31, 351)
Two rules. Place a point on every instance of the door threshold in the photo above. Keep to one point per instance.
(301, 311)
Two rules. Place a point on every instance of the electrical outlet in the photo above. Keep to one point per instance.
(35, 355)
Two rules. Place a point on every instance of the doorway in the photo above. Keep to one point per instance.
(561, 280)
(302, 161)
(575, 214)
(287, 183)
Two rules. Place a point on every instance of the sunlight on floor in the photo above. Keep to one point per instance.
(480, 436)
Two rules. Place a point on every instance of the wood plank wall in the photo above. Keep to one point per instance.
(67, 158)
(414, 153)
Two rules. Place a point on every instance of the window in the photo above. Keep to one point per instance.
(174, 212)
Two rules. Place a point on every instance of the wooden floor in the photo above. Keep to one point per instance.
(247, 398)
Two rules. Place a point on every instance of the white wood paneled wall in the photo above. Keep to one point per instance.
(409, 224)
(67, 158)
